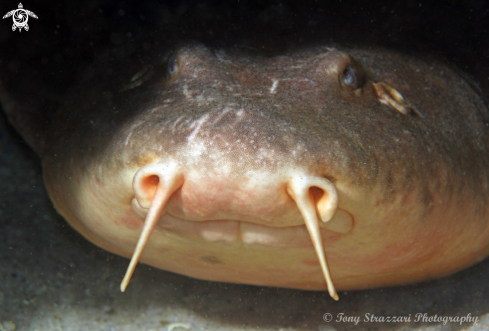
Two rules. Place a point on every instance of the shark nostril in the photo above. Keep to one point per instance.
(151, 181)
(148, 179)
(316, 193)
(341, 221)
(145, 186)
(149, 185)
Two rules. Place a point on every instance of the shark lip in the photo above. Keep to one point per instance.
(233, 231)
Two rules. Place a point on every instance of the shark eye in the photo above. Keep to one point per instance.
(353, 76)
(348, 77)
(172, 65)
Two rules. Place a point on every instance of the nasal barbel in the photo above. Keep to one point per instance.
(299, 188)
(154, 185)
(169, 180)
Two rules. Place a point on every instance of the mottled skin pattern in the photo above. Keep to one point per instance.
(412, 189)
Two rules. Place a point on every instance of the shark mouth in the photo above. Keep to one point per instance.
(163, 180)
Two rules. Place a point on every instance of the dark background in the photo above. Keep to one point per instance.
(51, 277)
(70, 34)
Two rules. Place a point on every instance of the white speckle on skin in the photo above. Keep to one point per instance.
(197, 150)
(177, 121)
(221, 115)
(196, 127)
(186, 92)
(274, 86)
(332, 70)
(127, 138)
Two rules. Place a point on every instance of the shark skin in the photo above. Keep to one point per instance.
(318, 169)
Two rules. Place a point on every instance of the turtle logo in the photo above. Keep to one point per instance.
(20, 17)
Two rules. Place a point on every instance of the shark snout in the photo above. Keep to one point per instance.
(280, 208)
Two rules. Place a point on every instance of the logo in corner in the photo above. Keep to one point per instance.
(20, 17)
